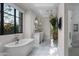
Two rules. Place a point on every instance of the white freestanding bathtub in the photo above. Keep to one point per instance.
(22, 48)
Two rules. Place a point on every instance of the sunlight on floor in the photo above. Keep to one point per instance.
(53, 49)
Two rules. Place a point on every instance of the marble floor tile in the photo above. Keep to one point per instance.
(47, 48)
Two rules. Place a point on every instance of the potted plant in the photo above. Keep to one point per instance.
(53, 22)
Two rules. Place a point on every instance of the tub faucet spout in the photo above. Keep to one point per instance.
(17, 40)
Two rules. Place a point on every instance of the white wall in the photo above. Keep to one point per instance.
(8, 38)
(46, 28)
(61, 34)
(29, 24)
(67, 7)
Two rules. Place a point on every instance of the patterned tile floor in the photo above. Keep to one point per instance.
(47, 48)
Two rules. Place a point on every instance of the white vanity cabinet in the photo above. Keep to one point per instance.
(38, 36)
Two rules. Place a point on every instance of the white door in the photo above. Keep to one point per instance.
(69, 28)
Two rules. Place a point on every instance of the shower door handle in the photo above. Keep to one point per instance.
(70, 37)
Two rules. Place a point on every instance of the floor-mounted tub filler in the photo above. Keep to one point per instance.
(22, 48)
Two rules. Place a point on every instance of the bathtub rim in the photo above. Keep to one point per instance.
(18, 45)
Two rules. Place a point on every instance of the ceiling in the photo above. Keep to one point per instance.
(43, 9)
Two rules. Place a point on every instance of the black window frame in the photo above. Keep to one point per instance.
(2, 21)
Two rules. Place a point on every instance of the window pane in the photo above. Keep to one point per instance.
(8, 24)
(0, 18)
(19, 23)
(21, 20)
(0, 6)
(17, 13)
(0, 22)
(18, 26)
(8, 9)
